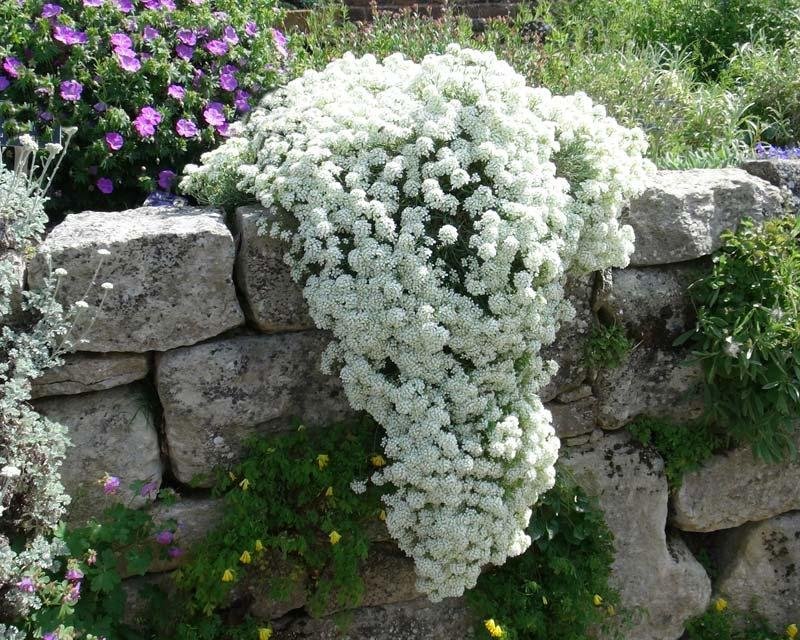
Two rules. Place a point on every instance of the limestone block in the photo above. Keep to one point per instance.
(761, 572)
(84, 372)
(172, 271)
(651, 572)
(784, 173)
(274, 302)
(733, 488)
(217, 394)
(574, 418)
(681, 214)
(111, 432)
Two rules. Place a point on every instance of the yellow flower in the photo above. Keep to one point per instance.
(611, 610)
(245, 557)
(329, 492)
(322, 460)
(335, 537)
(378, 460)
(259, 546)
(598, 600)
(264, 634)
(494, 629)
(245, 484)
(720, 604)
(791, 631)
(382, 515)
(227, 576)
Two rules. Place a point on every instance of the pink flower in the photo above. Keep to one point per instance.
(229, 35)
(121, 41)
(127, 60)
(71, 90)
(12, 67)
(114, 141)
(27, 585)
(214, 114)
(74, 574)
(110, 483)
(228, 81)
(51, 10)
(184, 51)
(186, 128)
(74, 593)
(105, 185)
(166, 178)
(280, 42)
(147, 121)
(177, 92)
(216, 47)
(164, 537)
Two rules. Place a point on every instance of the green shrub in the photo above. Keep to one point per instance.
(559, 587)
(748, 336)
(146, 101)
(722, 622)
(606, 347)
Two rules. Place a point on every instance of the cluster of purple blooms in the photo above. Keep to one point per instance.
(186, 44)
(768, 152)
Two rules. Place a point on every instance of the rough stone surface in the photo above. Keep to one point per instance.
(274, 302)
(733, 488)
(681, 215)
(137, 608)
(111, 432)
(656, 382)
(574, 418)
(84, 372)
(763, 570)
(172, 271)
(256, 585)
(218, 394)
(567, 350)
(778, 172)
(657, 574)
(578, 393)
(415, 620)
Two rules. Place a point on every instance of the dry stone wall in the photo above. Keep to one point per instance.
(205, 341)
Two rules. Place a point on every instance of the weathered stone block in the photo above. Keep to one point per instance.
(658, 575)
(84, 372)
(681, 214)
(574, 418)
(783, 173)
(274, 302)
(172, 271)
(733, 488)
(761, 572)
(111, 432)
(218, 394)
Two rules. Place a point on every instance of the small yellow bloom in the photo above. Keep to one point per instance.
(264, 634)
(259, 546)
(245, 484)
(322, 460)
(494, 629)
(227, 576)
(720, 604)
(598, 600)
(382, 515)
(611, 610)
(335, 537)
(378, 460)
(544, 600)
(791, 631)
(329, 492)
(245, 557)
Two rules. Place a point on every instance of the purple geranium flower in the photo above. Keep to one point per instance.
(100, 107)
(105, 185)
(126, 6)
(229, 35)
(280, 42)
(184, 51)
(121, 41)
(74, 593)
(74, 574)
(148, 489)
(27, 585)
(176, 91)
(71, 90)
(150, 33)
(154, 5)
(164, 537)
(216, 47)
(165, 180)
(4, 83)
(198, 76)
(50, 636)
(92, 3)
(13, 67)
(45, 116)
(251, 29)
(187, 36)
(145, 124)
(241, 101)
(229, 68)
(186, 128)
(110, 483)
(175, 552)
(214, 114)
(69, 36)
(228, 81)
(51, 10)
(127, 60)
(114, 140)
(169, 5)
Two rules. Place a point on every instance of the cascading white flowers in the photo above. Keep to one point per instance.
(432, 212)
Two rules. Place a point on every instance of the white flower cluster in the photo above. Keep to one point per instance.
(433, 212)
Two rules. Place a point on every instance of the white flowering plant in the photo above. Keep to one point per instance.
(432, 212)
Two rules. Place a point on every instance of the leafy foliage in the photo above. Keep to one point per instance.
(748, 336)
(550, 591)
(721, 622)
(606, 347)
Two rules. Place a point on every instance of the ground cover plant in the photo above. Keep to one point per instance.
(150, 83)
